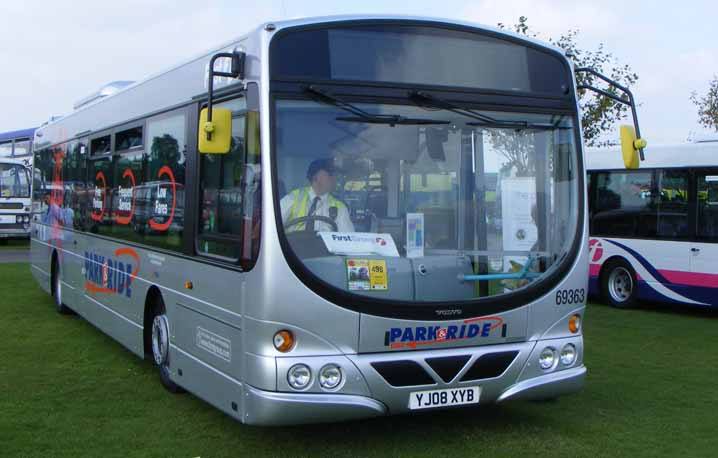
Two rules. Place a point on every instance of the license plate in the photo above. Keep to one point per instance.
(441, 398)
(7, 219)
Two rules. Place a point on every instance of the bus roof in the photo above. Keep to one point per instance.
(188, 81)
(703, 154)
(22, 133)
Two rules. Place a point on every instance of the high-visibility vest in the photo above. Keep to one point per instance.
(300, 208)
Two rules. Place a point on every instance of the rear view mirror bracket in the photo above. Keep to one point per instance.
(639, 143)
(236, 71)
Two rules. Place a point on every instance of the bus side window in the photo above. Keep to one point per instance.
(230, 194)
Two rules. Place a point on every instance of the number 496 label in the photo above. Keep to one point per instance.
(570, 296)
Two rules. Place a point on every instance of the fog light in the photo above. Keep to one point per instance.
(568, 354)
(299, 376)
(547, 358)
(574, 324)
(330, 376)
(283, 341)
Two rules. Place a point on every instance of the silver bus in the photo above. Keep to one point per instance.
(377, 215)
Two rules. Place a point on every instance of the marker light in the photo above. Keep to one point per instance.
(547, 358)
(283, 341)
(330, 376)
(299, 376)
(568, 354)
(574, 324)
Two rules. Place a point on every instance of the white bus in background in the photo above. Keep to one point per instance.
(654, 231)
(15, 199)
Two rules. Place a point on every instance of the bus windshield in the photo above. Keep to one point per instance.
(14, 181)
(422, 204)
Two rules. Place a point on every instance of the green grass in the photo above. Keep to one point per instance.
(67, 390)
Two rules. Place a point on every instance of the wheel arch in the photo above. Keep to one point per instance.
(54, 266)
(609, 262)
(151, 301)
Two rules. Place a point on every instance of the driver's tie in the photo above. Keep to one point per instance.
(309, 225)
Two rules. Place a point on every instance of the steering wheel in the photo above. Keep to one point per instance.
(312, 218)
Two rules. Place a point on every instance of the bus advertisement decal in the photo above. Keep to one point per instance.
(161, 208)
(98, 198)
(126, 202)
(411, 337)
(111, 275)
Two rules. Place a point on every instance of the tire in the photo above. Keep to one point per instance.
(618, 284)
(159, 346)
(56, 289)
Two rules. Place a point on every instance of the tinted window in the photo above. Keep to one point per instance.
(624, 205)
(159, 194)
(416, 55)
(230, 194)
(100, 145)
(672, 203)
(75, 197)
(130, 138)
(707, 206)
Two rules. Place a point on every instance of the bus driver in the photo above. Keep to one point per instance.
(316, 200)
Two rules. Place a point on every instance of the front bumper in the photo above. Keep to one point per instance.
(273, 409)
(546, 386)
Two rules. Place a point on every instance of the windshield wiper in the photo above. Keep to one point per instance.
(422, 98)
(363, 116)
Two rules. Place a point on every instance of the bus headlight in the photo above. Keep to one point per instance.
(299, 376)
(26, 218)
(18, 219)
(568, 354)
(547, 358)
(330, 376)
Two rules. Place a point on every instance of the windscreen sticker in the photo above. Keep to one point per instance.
(367, 275)
(359, 244)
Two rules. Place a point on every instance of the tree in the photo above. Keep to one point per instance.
(708, 105)
(599, 114)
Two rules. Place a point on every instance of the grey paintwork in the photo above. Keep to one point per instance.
(240, 372)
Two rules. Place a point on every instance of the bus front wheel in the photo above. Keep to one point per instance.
(161, 347)
(618, 284)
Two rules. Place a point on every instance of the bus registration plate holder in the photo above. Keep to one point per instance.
(443, 398)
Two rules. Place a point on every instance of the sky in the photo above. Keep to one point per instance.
(54, 53)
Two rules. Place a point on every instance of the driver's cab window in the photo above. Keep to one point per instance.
(230, 193)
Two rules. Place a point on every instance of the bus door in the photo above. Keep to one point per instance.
(704, 250)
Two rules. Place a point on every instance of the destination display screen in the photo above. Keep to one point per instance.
(417, 55)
